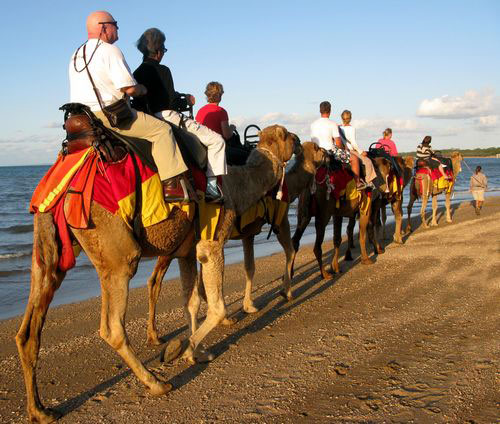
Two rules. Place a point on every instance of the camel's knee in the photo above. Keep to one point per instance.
(115, 339)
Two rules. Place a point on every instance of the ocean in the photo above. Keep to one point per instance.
(16, 233)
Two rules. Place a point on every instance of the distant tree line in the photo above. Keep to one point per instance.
(488, 151)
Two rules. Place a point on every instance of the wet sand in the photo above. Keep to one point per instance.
(413, 338)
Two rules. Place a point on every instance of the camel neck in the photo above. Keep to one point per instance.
(298, 178)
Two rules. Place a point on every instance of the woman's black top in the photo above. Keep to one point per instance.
(160, 84)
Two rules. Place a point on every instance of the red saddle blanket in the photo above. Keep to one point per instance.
(433, 173)
(337, 179)
(77, 179)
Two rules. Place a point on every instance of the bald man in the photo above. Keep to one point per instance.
(113, 80)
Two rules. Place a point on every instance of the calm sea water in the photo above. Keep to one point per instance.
(16, 233)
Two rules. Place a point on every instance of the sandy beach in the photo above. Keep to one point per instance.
(413, 338)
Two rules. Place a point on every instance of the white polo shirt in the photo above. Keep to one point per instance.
(323, 131)
(109, 71)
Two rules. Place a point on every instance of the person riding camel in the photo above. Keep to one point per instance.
(99, 77)
(162, 101)
(325, 133)
(348, 133)
(425, 153)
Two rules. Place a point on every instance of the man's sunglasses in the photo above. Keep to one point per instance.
(115, 23)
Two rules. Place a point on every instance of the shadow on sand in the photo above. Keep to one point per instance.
(307, 283)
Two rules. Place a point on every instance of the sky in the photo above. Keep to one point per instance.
(419, 67)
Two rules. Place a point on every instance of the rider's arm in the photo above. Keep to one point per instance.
(135, 90)
(227, 130)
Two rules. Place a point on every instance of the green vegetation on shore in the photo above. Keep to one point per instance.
(488, 151)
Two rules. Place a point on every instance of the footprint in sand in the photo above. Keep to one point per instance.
(340, 368)
(419, 395)
(369, 345)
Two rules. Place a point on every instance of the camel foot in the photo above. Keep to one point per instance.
(173, 350)
(398, 241)
(380, 250)
(250, 308)
(449, 221)
(229, 321)
(367, 261)
(203, 356)
(159, 388)
(153, 341)
(326, 275)
(44, 416)
(348, 256)
(286, 295)
(434, 224)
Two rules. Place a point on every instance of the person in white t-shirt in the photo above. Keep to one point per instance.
(113, 80)
(325, 133)
(349, 137)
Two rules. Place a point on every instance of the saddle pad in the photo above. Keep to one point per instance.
(337, 179)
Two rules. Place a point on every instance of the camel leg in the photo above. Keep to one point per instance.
(409, 208)
(44, 283)
(350, 232)
(364, 221)
(383, 216)
(318, 252)
(211, 255)
(448, 208)
(434, 222)
(190, 286)
(350, 238)
(337, 240)
(154, 288)
(248, 252)
(286, 242)
(114, 285)
(372, 234)
(303, 218)
(425, 198)
(397, 210)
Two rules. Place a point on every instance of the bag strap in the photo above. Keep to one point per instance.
(90, 77)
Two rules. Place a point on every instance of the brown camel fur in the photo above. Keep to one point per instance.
(395, 198)
(325, 209)
(308, 159)
(115, 252)
(428, 189)
(257, 176)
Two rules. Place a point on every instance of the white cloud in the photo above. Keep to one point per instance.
(472, 104)
(487, 123)
(53, 124)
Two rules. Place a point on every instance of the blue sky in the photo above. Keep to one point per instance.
(420, 67)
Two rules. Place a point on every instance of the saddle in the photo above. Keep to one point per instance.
(84, 129)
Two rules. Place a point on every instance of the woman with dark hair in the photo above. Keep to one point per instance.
(164, 102)
(478, 185)
(425, 153)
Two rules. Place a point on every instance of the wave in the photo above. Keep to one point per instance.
(14, 255)
(18, 229)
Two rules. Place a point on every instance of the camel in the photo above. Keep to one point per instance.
(325, 209)
(299, 177)
(428, 189)
(115, 253)
(395, 198)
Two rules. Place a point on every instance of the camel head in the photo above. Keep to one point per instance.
(313, 156)
(279, 141)
(297, 145)
(456, 160)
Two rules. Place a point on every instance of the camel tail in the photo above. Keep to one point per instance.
(45, 247)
